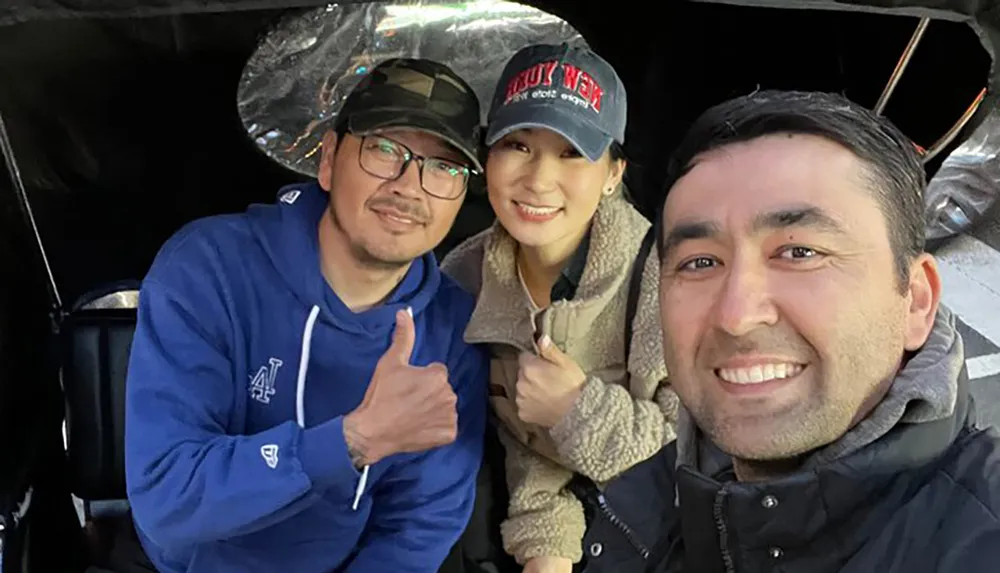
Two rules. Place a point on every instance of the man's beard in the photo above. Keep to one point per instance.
(361, 252)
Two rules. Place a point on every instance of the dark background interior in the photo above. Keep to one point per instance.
(127, 128)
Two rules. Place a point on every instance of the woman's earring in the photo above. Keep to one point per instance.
(609, 191)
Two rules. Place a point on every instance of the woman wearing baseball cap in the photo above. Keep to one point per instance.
(561, 280)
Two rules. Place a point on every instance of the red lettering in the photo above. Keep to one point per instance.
(517, 85)
(526, 79)
(534, 75)
(522, 82)
(511, 90)
(571, 75)
(582, 83)
(584, 86)
(595, 96)
(573, 79)
(550, 67)
(590, 91)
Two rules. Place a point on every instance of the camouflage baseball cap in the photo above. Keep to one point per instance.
(419, 94)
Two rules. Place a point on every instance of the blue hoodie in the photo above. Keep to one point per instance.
(243, 364)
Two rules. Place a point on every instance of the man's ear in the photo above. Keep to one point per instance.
(328, 152)
(924, 295)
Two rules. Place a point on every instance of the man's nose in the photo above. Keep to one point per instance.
(745, 302)
(408, 183)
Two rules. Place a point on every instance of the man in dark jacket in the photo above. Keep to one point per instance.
(828, 424)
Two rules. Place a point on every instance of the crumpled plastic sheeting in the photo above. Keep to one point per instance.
(297, 79)
(115, 300)
(967, 183)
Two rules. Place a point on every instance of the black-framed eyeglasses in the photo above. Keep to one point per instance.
(388, 159)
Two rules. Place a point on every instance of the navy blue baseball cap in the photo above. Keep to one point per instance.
(567, 89)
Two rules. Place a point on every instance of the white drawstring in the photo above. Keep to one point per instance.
(361, 488)
(300, 395)
(300, 385)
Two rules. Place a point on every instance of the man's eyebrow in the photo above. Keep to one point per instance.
(797, 217)
(687, 231)
(781, 219)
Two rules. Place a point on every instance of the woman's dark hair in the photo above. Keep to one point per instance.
(617, 151)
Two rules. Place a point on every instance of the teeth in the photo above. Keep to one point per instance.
(400, 219)
(537, 210)
(758, 374)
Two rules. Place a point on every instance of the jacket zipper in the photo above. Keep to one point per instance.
(720, 524)
(630, 535)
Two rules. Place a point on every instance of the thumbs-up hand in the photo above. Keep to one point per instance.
(548, 384)
(406, 408)
(548, 565)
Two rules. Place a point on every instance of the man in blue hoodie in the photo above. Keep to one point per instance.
(299, 394)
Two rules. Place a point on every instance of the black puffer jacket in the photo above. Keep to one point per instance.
(914, 488)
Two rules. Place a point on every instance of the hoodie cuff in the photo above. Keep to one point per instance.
(324, 458)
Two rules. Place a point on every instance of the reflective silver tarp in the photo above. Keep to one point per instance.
(120, 299)
(967, 183)
(297, 79)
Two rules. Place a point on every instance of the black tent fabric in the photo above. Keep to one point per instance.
(127, 127)
(18, 11)
(122, 117)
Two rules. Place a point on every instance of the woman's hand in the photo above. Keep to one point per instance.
(548, 565)
(547, 384)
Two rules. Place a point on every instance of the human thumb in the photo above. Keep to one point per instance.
(403, 338)
(549, 351)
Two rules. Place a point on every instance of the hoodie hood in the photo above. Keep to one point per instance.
(288, 231)
(928, 389)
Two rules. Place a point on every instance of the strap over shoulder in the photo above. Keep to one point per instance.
(635, 283)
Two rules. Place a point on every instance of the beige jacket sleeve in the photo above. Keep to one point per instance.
(612, 427)
(544, 518)
(608, 431)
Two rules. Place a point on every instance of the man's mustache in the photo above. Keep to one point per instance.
(412, 209)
